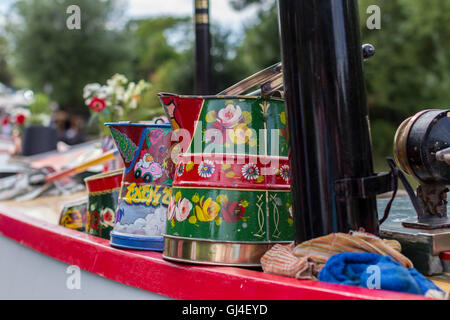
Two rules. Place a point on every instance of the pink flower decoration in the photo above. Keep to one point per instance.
(183, 209)
(230, 115)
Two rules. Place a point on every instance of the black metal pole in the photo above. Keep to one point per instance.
(327, 115)
(202, 48)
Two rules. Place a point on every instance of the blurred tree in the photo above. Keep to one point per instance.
(150, 40)
(5, 75)
(411, 68)
(409, 72)
(164, 55)
(59, 61)
(261, 45)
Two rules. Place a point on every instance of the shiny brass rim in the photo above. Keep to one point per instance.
(209, 252)
(401, 142)
(104, 175)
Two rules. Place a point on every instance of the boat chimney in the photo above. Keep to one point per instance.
(331, 157)
(202, 48)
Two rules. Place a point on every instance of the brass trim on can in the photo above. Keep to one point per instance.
(104, 175)
(401, 143)
(199, 251)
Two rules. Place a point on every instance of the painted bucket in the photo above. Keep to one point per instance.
(146, 185)
(103, 191)
(74, 215)
(231, 198)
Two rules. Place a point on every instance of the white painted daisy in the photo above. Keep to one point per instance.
(285, 172)
(250, 171)
(206, 169)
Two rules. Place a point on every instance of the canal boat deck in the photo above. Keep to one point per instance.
(34, 224)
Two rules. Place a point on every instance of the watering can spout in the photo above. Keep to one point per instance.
(182, 111)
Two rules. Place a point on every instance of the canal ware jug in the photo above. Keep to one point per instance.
(231, 198)
(103, 191)
(146, 185)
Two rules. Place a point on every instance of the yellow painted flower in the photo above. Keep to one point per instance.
(177, 196)
(244, 203)
(207, 210)
(189, 166)
(247, 117)
(283, 117)
(192, 219)
(241, 134)
(211, 116)
(230, 174)
(222, 198)
(195, 198)
(290, 221)
(260, 179)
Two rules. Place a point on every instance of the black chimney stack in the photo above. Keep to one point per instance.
(202, 48)
(328, 120)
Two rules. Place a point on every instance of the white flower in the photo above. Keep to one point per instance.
(250, 171)
(90, 90)
(133, 104)
(206, 169)
(119, 110)
(285, 172)
(117, 80)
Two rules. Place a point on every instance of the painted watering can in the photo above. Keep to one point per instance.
(146, 185)
(103, 194)
(231, 198)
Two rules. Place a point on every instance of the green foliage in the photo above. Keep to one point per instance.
(50, 56)
(261, 45)
(411, 67)
(5, 75)
(409, 72)
(39, 109)
(164, 50)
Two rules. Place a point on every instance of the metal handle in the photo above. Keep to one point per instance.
(254, 80)
(271, 78)
(443, 155)
(159, 119)
(274, 84)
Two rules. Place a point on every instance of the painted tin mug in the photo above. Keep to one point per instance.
(74, 215)
(146, 186)
(231, 198)
(103, 196)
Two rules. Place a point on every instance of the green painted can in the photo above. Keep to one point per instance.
(103, 196)
(231, 198)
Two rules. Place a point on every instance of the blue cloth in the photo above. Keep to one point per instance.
(373, 270)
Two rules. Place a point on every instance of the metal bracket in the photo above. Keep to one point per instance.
(365, 187)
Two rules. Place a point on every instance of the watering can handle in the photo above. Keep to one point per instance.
(159, 119)
(254, 80)
(271, 78)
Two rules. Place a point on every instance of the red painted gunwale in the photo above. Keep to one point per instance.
(148, 271)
